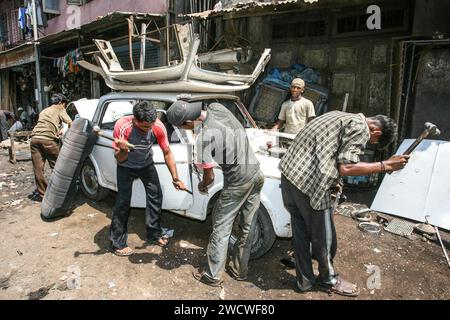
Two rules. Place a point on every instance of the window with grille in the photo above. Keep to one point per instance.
(390, 20)
(301, 29)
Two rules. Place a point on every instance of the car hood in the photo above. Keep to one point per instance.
(261, 141)
(86, 107)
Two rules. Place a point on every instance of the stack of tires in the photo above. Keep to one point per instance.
(62, 187)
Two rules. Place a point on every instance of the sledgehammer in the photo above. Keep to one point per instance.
(430, 129)
(100, 133)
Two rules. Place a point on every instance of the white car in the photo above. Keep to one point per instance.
(98, 173)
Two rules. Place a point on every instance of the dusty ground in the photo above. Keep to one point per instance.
(67, 258)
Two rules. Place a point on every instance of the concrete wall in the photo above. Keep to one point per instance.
(431, 16)
(96, 8)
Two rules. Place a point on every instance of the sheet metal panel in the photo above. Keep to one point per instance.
(422, 188)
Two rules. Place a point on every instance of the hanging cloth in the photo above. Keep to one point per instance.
(22, 18)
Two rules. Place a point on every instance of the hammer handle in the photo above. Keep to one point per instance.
(416, 143)
(129, 145)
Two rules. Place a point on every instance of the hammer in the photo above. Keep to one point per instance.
(100, 133)
(430, 129)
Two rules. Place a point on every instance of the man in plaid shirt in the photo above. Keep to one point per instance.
(325, 150)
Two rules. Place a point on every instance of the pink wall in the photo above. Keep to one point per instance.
(93, 9)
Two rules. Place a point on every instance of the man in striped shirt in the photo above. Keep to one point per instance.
(325, 150)
(143, 129)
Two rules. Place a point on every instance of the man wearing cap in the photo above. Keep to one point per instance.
(45, 141)
(221, 139)
(295, 112)
(143, 129)
(324, 151)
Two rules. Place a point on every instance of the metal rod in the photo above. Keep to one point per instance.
(100, 133)
(38, 92)
(442, 245)
(167, 39)
(344, 106)
(130, 40)
(143, 38)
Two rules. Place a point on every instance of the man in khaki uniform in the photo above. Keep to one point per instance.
(45, 141)
(297, 111)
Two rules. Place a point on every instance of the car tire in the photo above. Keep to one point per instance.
(89, 183)
(264, 234)
(62, 186)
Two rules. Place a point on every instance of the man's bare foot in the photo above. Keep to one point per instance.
(124, 252)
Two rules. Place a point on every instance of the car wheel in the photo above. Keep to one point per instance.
(264, 234)
(89, 183)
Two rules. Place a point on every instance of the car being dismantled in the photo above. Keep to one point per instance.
(98, 172)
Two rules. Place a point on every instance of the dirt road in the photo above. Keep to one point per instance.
(68, 258)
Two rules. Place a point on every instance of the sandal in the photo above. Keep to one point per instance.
(162, 242)
(344, 288)
(120, 253)
(201, 276)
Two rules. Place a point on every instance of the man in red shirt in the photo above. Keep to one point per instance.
(142, 129)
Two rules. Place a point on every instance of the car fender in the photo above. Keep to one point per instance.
(272, 200)
(211, 193)
(101, 180)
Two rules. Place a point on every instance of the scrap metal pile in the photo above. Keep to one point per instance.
(186, 74)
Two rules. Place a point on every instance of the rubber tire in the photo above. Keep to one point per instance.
(62, 186)
(264, 238)
(94, 192)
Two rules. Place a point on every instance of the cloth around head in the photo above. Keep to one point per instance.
(298, 83)
(182, 111)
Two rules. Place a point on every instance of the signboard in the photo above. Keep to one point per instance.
(17, 57)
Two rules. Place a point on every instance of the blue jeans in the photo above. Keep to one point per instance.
(234, 200)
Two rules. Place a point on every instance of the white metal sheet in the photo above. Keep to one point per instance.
(422, 188)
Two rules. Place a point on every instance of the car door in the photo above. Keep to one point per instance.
(104, 154)
(181, 150)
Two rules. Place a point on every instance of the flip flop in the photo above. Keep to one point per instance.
(122, 254)
(162, 245)
(338, 288)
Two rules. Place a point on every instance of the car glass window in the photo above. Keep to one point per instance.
(232, 106)
(114, 111)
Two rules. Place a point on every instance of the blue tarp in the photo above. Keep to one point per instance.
(283, 78)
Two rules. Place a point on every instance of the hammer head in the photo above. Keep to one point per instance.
(96, 129)
(432, 129)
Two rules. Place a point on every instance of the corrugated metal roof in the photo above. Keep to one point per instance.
(246, 6)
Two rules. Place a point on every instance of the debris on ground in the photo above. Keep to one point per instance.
(400, 227)
(40, 293)
(222, 294)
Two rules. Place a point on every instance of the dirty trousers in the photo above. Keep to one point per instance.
(118, 233)
(242, 200)
(42, 150)
(314, 237)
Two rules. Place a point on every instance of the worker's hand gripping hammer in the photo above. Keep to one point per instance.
(100, 133)
(430, 130)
